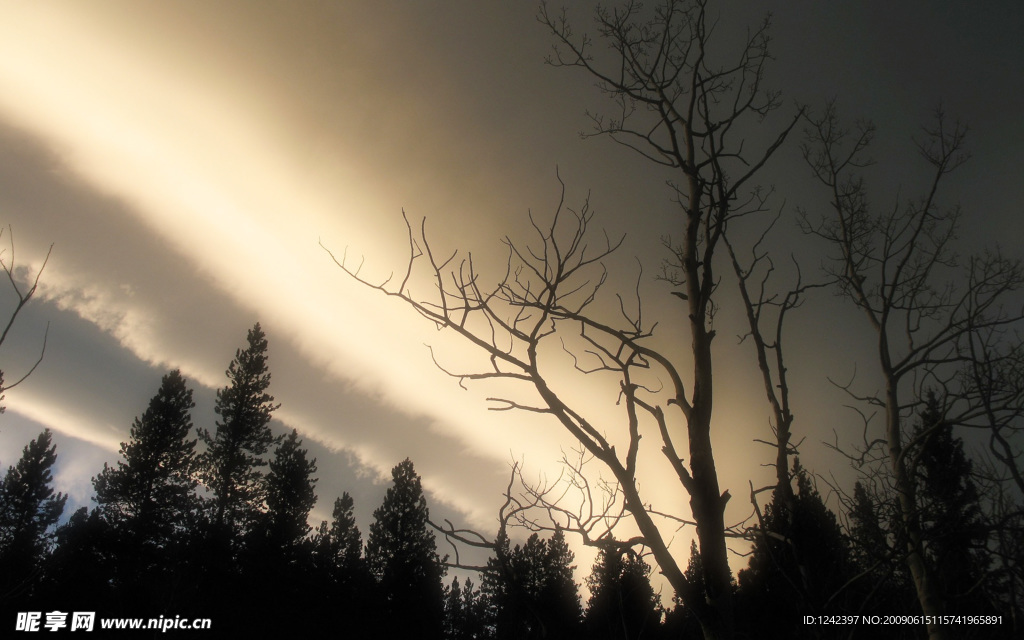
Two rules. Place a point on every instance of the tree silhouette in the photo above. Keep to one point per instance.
(680, 103)
(24, 297)
(276, 563)
(148, 498)
(454, 611)
(235, 453)
(681, 621)
(936, 319)
(474, 612)
(464, 612)
(231, 469)
(344, 583)
(84, 565)
(290, 494)
(338, 548)
(29, 509)
(958, 537)
(559, 595)
(799, 564)
(622, 602)
(954, 531)
(402, 555)
(874, 550)
(530, 591)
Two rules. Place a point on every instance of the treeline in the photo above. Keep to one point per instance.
(221, 531)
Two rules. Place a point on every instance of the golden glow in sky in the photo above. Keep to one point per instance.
(215, 177)
(187, 158)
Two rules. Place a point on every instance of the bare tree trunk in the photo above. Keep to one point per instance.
(906, 492)
(679, 102)
(899, 268)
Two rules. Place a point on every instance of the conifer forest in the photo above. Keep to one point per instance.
(223, 532)
(713, 479)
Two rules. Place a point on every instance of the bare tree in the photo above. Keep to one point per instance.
(766, 309)
(992, 391)
(683, 105)
(545, 306)
(939, 325)
(24, 297)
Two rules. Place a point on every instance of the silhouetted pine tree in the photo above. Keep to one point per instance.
(235, 453)
(882, 582)
(951, 515)
(463, 612)
(277, 560)
(290, 495)
(622, 602)
(454, 612)
(231, 470)
(530, 590)
(474, 613)
(81, 569)
(402, 555)
(560, 594)
(338, 548)
(680, 622)
(149, 499)
(344, 583)
(150, 492)
(29, 509)
(871, 548)
(799, 563)
(505, 590)
(952, 525)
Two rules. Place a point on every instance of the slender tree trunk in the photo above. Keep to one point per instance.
(906, 491)
(708, 506)
(706, 502)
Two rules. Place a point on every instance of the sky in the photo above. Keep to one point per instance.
(187, 159)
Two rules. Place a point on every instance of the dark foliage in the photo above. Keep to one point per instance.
(402, 555)
(530, 590)
(290, 496)
(337, 550)
(951, 516)
(464, 612)
(151, 491)
(623, 605)
(883, 583)
(148, 501)
(800, 562)
(231, 469)
(276, 559)
(151, 547)
(343, 582)
(81, 570)
(681, 622)
(29, 510)
(235, 453)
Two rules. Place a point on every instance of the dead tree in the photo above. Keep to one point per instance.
(685, 105)
(682, 103)
(939, 325)
(545, 306)
(766, 310)
(9, 267)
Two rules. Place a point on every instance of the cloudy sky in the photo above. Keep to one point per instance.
(186, 158)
